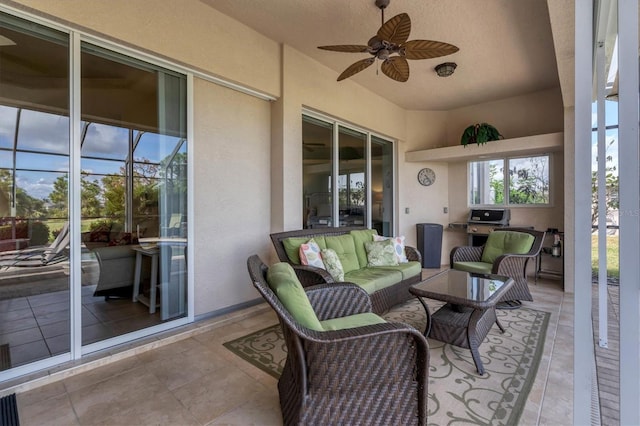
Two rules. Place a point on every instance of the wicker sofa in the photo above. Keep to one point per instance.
(369, 372)
(386, 285)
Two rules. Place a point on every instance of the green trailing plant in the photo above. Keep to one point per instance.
(480, 133)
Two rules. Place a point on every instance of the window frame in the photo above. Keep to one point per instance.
(506, 181)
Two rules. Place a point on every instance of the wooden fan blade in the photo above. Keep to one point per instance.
(425, 49)
(396, 30)
(396, 68)
(356, 68)
(349, 48)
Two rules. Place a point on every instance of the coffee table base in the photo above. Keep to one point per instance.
(461, 326)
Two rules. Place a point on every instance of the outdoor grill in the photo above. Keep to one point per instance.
(482, 222)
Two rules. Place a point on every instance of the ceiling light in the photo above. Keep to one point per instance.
(446, 69)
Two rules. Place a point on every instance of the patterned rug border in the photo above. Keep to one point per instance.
(523, 395)
(230, 345)
(522, 392)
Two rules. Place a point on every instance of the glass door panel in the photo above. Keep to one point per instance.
(352, 188)
(382, 186)
(34, 196)
(317, 160)
(134, 194)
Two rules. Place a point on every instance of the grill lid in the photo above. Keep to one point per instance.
(490, 216)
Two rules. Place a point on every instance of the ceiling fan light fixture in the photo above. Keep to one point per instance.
(6, 41)
(446, 69)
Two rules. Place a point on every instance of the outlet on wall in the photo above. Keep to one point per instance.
(406, 210)
(445, 210)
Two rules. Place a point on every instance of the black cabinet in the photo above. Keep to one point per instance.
(430, 244)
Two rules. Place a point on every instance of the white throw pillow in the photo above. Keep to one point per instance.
(398, 245)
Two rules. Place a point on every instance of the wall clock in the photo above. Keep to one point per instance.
(426, 176)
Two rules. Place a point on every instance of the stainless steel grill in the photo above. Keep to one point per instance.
(482, 222)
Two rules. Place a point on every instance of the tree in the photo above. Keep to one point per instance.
(612, 185)
(529, 183)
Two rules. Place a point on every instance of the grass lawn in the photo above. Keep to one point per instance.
(613, 261)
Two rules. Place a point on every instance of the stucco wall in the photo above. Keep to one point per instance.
(537, 113)
(527, 115)
(232, 193)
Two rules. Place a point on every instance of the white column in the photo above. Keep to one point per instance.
(583, 352)
(629, 192)
(601, 81)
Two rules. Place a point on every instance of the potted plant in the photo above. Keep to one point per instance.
(480, 133)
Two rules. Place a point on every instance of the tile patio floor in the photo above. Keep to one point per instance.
(186, 377)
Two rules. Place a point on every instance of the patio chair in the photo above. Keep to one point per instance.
(56, 252)
(506, 252)
(368, 374)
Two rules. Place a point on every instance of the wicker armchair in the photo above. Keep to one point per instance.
(508, 264)
(374, 374)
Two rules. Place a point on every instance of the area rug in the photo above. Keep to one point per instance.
(457, 394)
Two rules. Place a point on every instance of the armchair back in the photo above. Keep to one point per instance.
(374, 374)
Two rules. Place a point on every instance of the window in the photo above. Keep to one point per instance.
(355, 162)
(510, 181)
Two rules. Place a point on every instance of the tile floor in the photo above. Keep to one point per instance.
(187, 377)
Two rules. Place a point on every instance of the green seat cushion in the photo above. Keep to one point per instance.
(345, 248)
(408, 270)
(352, 321)
(360, 237)
(476, 267)
(285, 284)
(373, 279)
(503, 242)
(292, 246)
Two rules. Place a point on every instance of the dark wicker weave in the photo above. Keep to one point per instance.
(509, 265)
(381, 300)
(371, 375)
(462, 321)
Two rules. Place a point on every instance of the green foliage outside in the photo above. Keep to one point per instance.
(613, 259)
(527, 185)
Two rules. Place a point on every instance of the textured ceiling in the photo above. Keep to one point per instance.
(506, 46)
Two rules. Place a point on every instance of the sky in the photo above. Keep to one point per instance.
(611, 118)
(49, 135)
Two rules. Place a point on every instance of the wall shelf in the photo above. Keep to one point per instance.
(527, 145)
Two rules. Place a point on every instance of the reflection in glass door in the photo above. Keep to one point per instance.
(352, 187)
(317, 160)
(382, 186)
(134, 194)
(34, 197)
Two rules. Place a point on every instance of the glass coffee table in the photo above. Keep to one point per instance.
(469, 311)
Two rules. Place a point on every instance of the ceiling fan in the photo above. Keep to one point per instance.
(390, 45)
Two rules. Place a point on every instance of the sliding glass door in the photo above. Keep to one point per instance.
(134, 193)
(358, 164)
(34, 200)
(132, 198)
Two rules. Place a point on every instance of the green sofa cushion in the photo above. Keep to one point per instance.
(408, 270)
(373, 279)
(360, 237)
(285, 284)
(292, 246)
(344, 246)
(503, 242)
(352, 321)
(476, 267)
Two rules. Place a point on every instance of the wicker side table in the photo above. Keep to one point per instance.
(469, 313)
